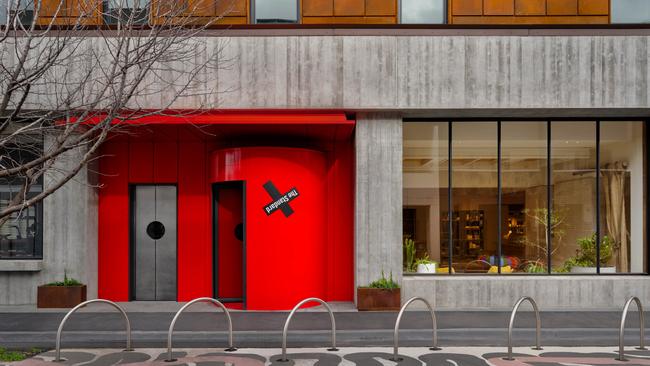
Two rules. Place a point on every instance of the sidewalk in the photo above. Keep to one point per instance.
(452, 356)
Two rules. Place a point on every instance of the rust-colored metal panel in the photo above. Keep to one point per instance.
(316, 20)
(532, 20)
(498, 7)
(71, 12)
(530, 7)
(381, 8)
(317, 8)
(381, 20)
(50, 8)
(466, 7)
(562, 7)
(593, 7)
(204, 8)
(348, 20)
(349, 7)
(232, 8)
(232, 20)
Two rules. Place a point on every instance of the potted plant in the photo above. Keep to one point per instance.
(381, 295)
(425, 265)
(409, 255)
(63, 294)
(585, 258)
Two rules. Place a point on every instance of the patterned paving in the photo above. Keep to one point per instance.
(452, 356)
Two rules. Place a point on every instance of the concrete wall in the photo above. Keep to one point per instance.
(378, 220)
(423, 74)
(69, 239)
(550, 292)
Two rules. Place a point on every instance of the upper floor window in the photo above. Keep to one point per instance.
(423, 11)
(21, 235)
(126, 11)
(23, 9)
(276, 11)
(630, 11)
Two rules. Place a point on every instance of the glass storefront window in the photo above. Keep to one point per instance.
(276, 11)
(630, 11)
(501, 185)
(622, 197)
(524, 211)
(422, 12)
(573, 193)
(474, 197)
(426, 226)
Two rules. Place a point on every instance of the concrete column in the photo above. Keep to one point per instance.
(69, 237)
(70, 224)
(378, 220)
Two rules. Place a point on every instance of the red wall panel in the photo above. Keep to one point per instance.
(194, 228)
(113, 235)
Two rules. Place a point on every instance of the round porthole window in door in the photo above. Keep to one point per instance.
(156, 230)
(239, 232)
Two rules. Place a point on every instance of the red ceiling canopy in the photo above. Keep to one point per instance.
(177, 117)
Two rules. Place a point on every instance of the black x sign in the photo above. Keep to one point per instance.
(280, 201)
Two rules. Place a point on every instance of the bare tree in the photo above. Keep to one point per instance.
(79, 70)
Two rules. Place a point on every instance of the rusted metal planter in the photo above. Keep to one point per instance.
(376, 299)
(60, 296)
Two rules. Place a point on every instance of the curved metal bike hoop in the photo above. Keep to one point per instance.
(230, 348)
(538, 325)
(65, 318)
(286, 326)
(621, 333)
(399, 319)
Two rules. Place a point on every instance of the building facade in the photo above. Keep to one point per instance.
(509, 155)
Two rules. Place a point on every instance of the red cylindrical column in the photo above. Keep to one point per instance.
(285, 199)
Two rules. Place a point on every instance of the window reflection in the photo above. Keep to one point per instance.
(630, 11)
(276, 11)
(422, 11)
(524, 202)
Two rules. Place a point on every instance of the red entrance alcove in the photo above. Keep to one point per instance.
(309, 253)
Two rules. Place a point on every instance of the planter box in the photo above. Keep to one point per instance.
(375, 299)
(60, 296)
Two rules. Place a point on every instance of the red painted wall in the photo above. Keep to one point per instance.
(180, 155)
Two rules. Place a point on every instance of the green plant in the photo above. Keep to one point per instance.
(12, 356)
(66, 281)
(424, 260)
(535, 267)
(409, 255)
(384, 283)
(586, 253)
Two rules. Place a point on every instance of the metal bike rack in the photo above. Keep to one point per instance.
(538, 325)
(621, 333)
(230, 348)
(399, 319)
(65, 318)
(286, 326)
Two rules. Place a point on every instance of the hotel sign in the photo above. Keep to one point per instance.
(280, 201)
